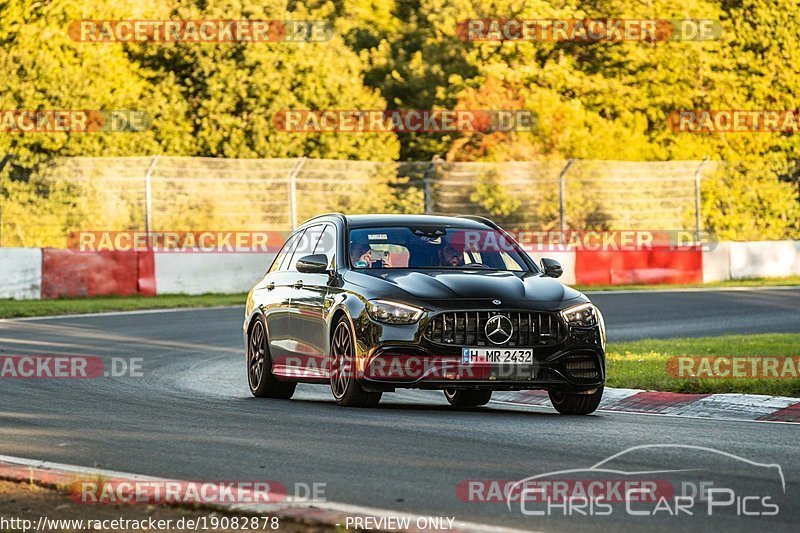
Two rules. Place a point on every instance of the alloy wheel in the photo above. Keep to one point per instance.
(256, 356)
(341, 366)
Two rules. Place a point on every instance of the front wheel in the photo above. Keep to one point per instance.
(345, 388)
(467, 398)
(568, 403)
(262, 382)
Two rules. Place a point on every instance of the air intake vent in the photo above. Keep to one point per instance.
(468, 328)
(582, 366)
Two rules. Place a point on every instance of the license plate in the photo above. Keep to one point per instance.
(496, 356)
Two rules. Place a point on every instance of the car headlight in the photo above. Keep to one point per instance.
(584, 315)
(393, 312)
(602, 328)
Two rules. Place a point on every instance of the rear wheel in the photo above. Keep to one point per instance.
(467, 398)
(576, 404)
(345, 388)
(263, 383)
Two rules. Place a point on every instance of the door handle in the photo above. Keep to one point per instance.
(298, 284)
(270, 285)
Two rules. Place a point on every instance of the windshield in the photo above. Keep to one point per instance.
(434, 247)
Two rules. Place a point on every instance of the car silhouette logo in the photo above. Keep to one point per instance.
(608, 467)
(499, 329)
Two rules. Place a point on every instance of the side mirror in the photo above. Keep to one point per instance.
(551, 267)
(313, 264)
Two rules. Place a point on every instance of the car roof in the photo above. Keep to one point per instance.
(365, 221)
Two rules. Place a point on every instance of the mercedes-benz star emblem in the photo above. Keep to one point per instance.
(499, 329)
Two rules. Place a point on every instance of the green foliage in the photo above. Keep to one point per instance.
(611, 100)
(743, 202)
(492, 197)
(210, 99)
(46, 70)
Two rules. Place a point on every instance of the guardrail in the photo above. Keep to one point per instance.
(34, 273)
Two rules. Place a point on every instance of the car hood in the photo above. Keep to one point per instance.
(509, 287)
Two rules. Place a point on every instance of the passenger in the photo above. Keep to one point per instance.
(360, 252)
(363, 256)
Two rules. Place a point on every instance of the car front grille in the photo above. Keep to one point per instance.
(468, 328)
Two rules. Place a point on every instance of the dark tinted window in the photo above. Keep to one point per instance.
(434, 247)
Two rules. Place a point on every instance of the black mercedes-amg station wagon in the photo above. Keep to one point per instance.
(372, 303)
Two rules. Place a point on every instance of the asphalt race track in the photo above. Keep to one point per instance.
(191, 417)
(698, 313)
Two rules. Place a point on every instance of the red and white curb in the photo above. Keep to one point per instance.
(754, 407)
(332, 514)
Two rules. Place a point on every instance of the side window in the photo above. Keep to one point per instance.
(286, 250)
(305, 243)
(327, 244)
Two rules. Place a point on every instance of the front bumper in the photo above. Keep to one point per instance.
(401, 357)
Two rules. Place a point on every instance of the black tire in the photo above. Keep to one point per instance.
(575, 404)
(260, 379)
(467, 398)
(345, 388)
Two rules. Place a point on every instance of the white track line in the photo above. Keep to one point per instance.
(343, 508)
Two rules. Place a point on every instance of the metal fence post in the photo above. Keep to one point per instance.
(148, 196)
(293, 191)
(561, 210)
(3, 164)
(698, 225)
(426, 182)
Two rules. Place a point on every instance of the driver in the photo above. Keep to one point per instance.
(450, 256)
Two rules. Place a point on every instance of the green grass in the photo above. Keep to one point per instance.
(790, 281)
(642, 364)
(68, 306)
